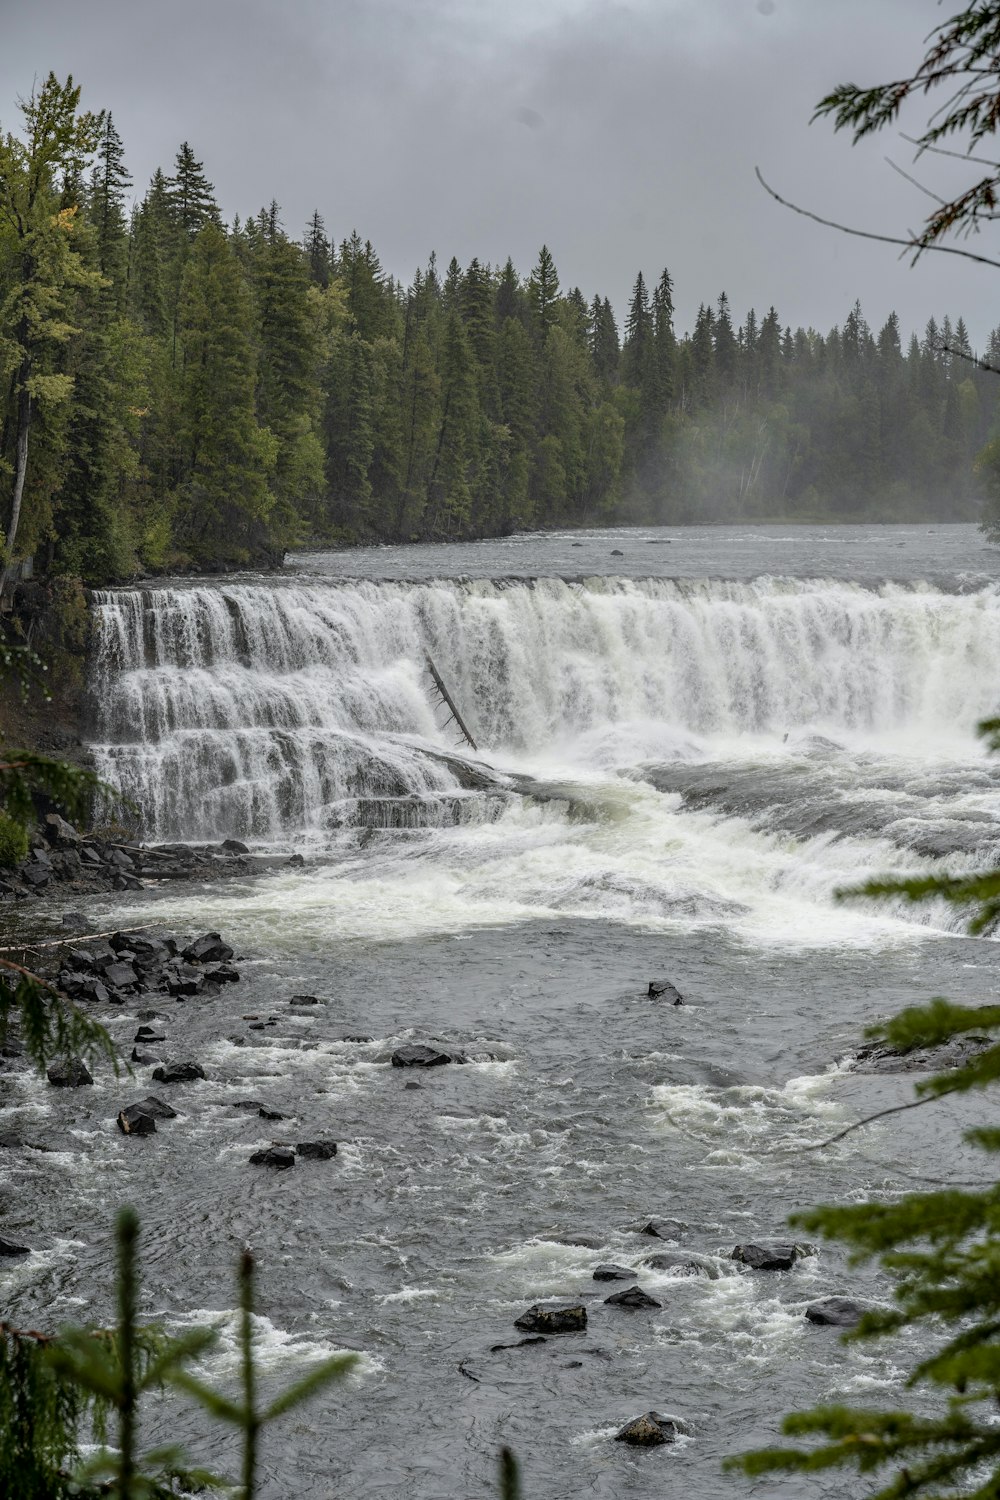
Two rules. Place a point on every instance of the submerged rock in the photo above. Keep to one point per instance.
(567, 1317)
(417, 1055)
(769, 1255)
(11, 1250)
(69, 1073)
(836, 1312)
(651, 1430)
(662, 989)
(274, 1156)
(633, 1296)
(664, 1229)
(317, 1150)
(683, 1262)
(614, 1273)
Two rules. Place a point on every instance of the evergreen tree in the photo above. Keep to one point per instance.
(543, 292)
(317, 250)
(224, 495)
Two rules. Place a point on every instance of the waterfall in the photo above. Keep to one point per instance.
(265, 709)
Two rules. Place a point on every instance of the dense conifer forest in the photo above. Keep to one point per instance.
(182, 392)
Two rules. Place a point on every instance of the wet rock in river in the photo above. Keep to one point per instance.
(317, 1150)
(664, 1229)
(634, 1296)
(883, 1057)
(768, 1255)
(567, 1317)
(234, 846)
(179, 1072)
(662, 989)
(134, 1120)
(682, 1263)
(836, 1312)
(68, 1073)
(149, 1034)
(613, 1273)
(208, 949)
(145, 1059)
(12, 1250)
(274, 1156)
(651, 1430)
(418, 1056)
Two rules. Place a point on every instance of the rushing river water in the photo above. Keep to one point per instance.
(684, 751)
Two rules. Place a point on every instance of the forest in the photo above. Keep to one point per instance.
(180, 392)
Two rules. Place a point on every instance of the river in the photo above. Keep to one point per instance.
(688, 740)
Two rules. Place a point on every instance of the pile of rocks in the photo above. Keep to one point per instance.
(60, 855)
(131, 964)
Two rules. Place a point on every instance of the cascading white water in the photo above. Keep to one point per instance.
(262, 710)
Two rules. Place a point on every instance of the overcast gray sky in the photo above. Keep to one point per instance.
(622, 135)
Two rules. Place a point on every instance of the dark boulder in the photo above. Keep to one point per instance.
(274, 1156)
(178, 1072)
(662, 989)
(306, 1000)
(11, 1250)
(68, 1073)
(317, 1150)
(149, 1034)
(769, 1255)
(208, 949)
(617, 552)
(234, 846)
(651, 1430)
(613, 1273)
(836, 1312)
(633, 1296)
(135, 1121)
(270, 1114)
(145, 1059)
(568, 1317)
(418, 1056)
(73, 919)
(93, 990)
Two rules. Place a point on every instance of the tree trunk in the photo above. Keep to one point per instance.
(20, 468)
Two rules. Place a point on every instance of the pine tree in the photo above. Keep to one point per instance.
(227, 461)
(189, 194)
(543, 292)
(108, 185)
(664, 339)
(317, 250)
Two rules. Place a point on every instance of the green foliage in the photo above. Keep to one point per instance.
(56, 1391)
(13, 842)
(206, 394)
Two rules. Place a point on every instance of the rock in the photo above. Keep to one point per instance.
(35, 875)
(568, 1317)
(355, 1038)
(208, 949)
(158, 1108)
(650, 1430)
(270, 1114)
(836, 1312)
(306, 1000)
(683, 1262)
(274, 1156)
(93, 990)
(413, 1084)
(135, 1121)
(90, 856)
(220, 974)
(10, 1249)
(664, 1229)
(73, 919)
(613, 1273)
(633, 1296)
(234, 846)
(317, 1150)
(521, 1344)
(149, 1034)
(769, 1255)
(145, 1059)
(69, 1073)
(662, 989)
(883, 1057)
(419, 1056)
(248, 1106)
(295, 862)
(58, 831)
(617, 552)
(178, 1072)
